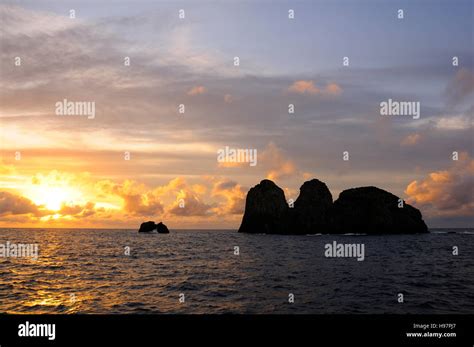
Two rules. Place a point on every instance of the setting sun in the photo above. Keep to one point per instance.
(52, 198)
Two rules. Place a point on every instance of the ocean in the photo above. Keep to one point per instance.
(222, 271)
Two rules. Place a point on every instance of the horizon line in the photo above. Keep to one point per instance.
(180, 229)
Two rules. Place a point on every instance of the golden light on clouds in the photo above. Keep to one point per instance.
(72, 169)
(446, 192)
(71, 197)
(410, 140)
(303, 87)
(52, 197)
(310, 87)
(53, 190)
(197, 90)
(63, 199)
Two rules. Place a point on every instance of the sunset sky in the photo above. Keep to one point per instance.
(70, 171)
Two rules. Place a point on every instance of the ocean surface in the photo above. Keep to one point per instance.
(87, 271)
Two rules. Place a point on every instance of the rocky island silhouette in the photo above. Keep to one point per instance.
(152, 227)
(368, 210)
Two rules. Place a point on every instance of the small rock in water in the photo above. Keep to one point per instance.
(151, 226)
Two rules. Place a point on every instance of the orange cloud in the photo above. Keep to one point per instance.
(137, 200)
(309, 87)
(411, 140)
(286, 169)
(304, 87)
(228, 98)
(140, 200)
(233, 193)
(198, 90)
(78, 211)
(276, 163)
(333, 89)
(230, 164)
(62, 199)
(446, 193)
(6, 169)
(189, 203)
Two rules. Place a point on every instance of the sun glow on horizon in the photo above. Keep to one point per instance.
(53, 197)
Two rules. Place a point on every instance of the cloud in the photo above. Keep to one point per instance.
(224, 185)
(189, 203)
(309, 87)
(6, 169)
(410, 140)
(229, 164)
(461, 87)
(137, 200)
(163, 146)
(333, 89)
(228, 98)
(12, 204)
(19, 22)
(171, 187)
(233, 193)
(140, 200)
(277, 165)
(198, 90)
(446, 193)
(460, 122)
(78, 211)
(304, 87)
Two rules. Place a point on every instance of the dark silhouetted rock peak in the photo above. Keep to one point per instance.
(312, 210)
(314, 191)
(368, 210)
(375, 211)
(266, 209)
(162, 229)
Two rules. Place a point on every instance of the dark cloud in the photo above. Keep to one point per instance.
(225, 185)
(11, 204)
(78, 211)
(461, 87)
(188, 204)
